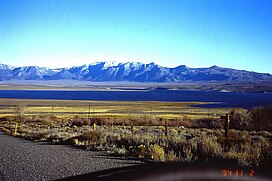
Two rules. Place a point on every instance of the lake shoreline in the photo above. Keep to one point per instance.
(125, 85)
(219, 99)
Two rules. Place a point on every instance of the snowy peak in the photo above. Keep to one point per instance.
(6, 67)
(110, 64)
(31, 73)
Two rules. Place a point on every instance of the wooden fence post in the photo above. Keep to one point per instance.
(132, 131)
(52, 112)
(226, 119)
(166, 127)
(227, 124)
(89, 113)
(94, 126)
(15, 129)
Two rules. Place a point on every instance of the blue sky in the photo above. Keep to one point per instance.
(60, 33)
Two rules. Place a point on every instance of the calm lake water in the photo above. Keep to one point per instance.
(228, 99)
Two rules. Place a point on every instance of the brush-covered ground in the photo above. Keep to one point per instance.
(151, 136)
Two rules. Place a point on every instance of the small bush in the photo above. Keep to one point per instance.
(209, 148)
(171, 156)
(92, 138)
(140, 151)
(7, 131)
(120, 151)
(77, 121)
(8, 118)
(35, 135)
(157, 153)
(241, 120)
(75, 141)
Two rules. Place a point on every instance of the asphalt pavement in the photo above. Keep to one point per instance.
(22, 159)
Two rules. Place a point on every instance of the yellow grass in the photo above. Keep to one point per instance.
(69, 108)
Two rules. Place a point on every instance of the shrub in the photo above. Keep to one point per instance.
(210, 123)
(38, 119)
(7, 131)
(8, 118)
(171, 156)
(75, 141)
(258, 118)
(120, 151)
(157, 152)
(35, 135)
(140, 151)
(77, 121)
(175, 122)
(262, 118)
(241, 158)
(93, 136)
(186, 150)
(208, 148)
(241, 120)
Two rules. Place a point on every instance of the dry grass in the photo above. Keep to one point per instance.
(187, 141)
(109, 109)
(182, 144)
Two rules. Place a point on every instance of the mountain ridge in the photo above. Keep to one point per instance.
(132, 71)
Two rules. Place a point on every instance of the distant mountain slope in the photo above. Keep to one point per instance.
(132, 71)
(5, 72)
(31, 73)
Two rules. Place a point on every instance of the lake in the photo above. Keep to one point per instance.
(226, 99)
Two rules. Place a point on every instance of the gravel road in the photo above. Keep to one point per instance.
(27, 160)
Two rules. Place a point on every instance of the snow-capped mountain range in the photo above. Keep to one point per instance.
(132, 71)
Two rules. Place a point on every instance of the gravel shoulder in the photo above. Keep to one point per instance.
(28, 160)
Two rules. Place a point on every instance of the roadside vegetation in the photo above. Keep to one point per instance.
(149, 137)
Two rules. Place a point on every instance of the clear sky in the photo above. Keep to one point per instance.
(197, 33)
